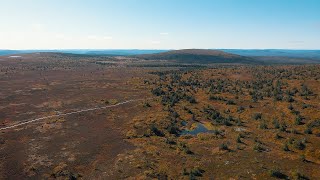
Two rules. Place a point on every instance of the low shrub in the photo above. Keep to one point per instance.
(257, 116)
(223, 146)
(277, 174)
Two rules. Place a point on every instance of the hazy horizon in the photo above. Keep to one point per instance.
(167, 49)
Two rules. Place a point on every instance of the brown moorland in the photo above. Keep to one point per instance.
(220, 121)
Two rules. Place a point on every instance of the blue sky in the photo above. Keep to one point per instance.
(159, 24)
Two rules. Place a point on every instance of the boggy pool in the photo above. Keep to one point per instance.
(200, 128)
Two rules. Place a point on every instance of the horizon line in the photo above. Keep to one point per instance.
(158, 49)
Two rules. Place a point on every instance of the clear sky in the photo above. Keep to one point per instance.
(159, 24)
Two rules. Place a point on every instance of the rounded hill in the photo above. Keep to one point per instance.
(198, 56)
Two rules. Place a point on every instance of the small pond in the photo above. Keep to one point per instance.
(199, 129)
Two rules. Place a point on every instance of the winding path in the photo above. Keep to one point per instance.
(69, 113)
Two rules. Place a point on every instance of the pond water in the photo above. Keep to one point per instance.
(199, 129)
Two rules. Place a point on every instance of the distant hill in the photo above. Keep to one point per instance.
(198, 56)
(310, 54)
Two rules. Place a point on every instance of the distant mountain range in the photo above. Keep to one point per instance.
(125, 52)
(111, 52)
(244, 56)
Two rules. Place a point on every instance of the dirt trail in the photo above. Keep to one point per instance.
(69, 113)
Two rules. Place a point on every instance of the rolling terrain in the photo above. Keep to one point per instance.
(267, 56)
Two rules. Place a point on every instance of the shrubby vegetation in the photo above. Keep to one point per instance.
(255, 109)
